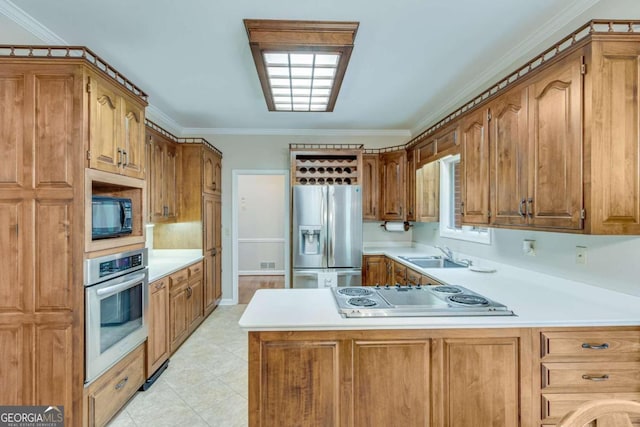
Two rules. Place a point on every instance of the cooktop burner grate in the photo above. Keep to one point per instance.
(446, 289)
(468, 300)
(362, 302)
(355, 292)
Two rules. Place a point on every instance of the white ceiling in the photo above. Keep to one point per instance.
(413, 60)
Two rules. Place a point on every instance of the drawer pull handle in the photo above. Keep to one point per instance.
(592, 378)
(595, 347)
(122, 383)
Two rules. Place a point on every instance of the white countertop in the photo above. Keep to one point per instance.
(537, 300)
(163, 262)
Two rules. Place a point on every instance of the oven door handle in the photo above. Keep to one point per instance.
(112, 290)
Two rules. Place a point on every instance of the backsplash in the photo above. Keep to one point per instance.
(372, 232)
(612, 262)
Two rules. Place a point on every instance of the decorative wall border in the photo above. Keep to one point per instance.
(180, 140)
(589, 29)
(72, 52)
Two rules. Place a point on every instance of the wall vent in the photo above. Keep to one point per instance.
(267, 265)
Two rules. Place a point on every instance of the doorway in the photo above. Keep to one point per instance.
(260, 231)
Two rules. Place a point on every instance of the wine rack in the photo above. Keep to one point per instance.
(330, 170)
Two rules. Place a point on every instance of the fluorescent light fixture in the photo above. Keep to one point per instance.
(300, 64)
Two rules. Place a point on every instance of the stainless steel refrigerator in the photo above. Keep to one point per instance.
(327, 235)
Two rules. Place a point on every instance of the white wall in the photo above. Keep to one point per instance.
(248, 152)
(261, 213)
(613, 262)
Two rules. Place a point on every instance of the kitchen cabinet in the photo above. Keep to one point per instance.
(186, 310)
(212, 172)
(370, 187)
(411, 185)
(428, 193)
(555, 161)
(474, 167)
(375, 270)
(164, 158)
(109, 393)
(453, 378)
(509, 145)
(392, 185)
(116, 129)
(399, 273)
(158, 342)
(578, 365)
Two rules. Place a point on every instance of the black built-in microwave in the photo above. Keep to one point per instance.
(111, 217)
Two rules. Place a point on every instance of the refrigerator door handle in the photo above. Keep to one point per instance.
(331, 229)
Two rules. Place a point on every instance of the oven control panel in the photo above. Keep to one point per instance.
(120, 265)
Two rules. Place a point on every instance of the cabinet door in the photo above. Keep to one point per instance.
(133, 143)
(194, 302)
(217, 271)
(208, 223)
(393, 185)
(399, 397)
(217, 222)
(615, 157)
(170, 180)
(474, 163)
(370, 188)
(209, 283)
(374, 270)
(158, 340)
(155, 179)
(411, 186)
(210, 169)
(555, 157)
(104, 129)
(480, 385)
(399, 274)
(178, 315)
(428, 193)
(509, 144)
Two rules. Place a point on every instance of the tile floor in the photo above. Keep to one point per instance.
(205, 384)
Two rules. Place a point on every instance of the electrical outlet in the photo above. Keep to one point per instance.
(581, 254)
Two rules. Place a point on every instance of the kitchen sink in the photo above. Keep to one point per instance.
(433, 262)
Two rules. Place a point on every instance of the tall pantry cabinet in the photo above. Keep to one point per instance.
(45, 140)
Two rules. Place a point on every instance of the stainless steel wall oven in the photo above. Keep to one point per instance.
(116, 304)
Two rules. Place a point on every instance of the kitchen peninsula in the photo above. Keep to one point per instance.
(568, 343)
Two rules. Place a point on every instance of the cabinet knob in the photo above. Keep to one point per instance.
(523, 204)
(595, 378)
(530, 207)
(602, 346)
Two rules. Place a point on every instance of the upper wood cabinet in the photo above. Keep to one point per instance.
(370, 187)
(163, 182)
(554, 198)
(509, 142)
(212, 175)
(392, 185)
(116, 129)
(614, 137)
(474, 167)
(428, 192)
(411, 186)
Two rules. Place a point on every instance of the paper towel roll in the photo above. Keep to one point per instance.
(394, 226)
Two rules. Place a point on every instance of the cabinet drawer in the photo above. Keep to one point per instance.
(178, 278)
(111, 391)
(591, 344)
(158, 285)
(195, 270)
(598, 376)
(555, 406)
(413, 277)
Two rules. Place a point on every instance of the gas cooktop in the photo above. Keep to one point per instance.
(415, 301)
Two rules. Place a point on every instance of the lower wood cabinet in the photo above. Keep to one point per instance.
(448, 378)
(158, 344)
(104, 398)
(374, 270)
(186, 310)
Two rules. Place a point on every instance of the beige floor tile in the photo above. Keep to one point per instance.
(206, 383)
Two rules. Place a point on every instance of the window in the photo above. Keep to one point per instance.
(450, 198)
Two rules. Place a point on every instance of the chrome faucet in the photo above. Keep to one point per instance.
(446, 251)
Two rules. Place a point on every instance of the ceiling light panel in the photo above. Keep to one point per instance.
(300, 64)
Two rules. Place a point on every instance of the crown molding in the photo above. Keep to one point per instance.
(297, 132)
(22, 18)
(158, 116)
(484, 78)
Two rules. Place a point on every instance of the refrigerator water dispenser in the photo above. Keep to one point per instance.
(309, 236)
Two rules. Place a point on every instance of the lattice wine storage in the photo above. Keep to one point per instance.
(330, 167)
